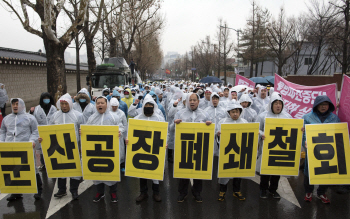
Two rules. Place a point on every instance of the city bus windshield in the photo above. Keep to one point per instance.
(108, 80)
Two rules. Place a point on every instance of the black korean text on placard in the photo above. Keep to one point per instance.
(194, 151)
(245, 151)
(146, 161)
(54, 146)
(16, 169)
(325, 152)
(286, 156)
(106, 164)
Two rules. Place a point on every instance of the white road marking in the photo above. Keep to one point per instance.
(57, 203)
(284, 189)
(2, 196)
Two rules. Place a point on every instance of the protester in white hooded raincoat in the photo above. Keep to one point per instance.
(148, 113)
(191, 113)
(248, 113)
(274, 110)
(3, 99)
(259, 101)
(83, 99)
(204, 102)
(232, 117)
(175, 107)
(67, 116)
(216, 113)
(20, 126)
(104, 116)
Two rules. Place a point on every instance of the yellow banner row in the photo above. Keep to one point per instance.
(328, 152)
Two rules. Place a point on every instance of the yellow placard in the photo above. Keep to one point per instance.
(100, 152)
(328, 153)
(194, 149)
(238, 150)
(145, 153)
(282, 146)
(60, 150)
(17, 172)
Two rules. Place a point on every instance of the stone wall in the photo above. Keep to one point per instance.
(29, 81)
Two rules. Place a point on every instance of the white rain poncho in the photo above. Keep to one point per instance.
(258, 102)
(89, 109)
(114, 102)
(269, 114)
(154, 117)
(173, 110)
(204, 103)
(110, 119)
(20, 127)
(248, 113)
(3, 96)
(229, 120)
(215, 115)
(188, 115)
(157, 91)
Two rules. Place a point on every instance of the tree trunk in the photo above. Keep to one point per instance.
(77, 53)
(256, 69)
(251, 68)
(113, 48)
(56, 71)
(90, 56)
(262, 67)
(346, 41)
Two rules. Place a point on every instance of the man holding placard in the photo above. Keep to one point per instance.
(192, 113)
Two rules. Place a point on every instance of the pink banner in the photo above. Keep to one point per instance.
(344, 103)
(240, 80)
(299, 99)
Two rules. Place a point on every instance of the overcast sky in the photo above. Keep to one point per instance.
(187, 22)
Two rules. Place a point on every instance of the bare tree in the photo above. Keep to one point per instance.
(227, 45)
(55, 45)
(280, 35)
(205, 56)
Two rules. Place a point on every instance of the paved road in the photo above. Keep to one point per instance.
(128, 190)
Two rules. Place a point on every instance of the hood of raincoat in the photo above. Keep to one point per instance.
(259, 91)
(41, 102)
(234, 105)
(67, 98)
(246, 98)
(177, 94)
(230, 95)
(211, 99)
(149, 99)
(188, 101)
(130, 95)
(320, 99)
(108, 104)
(274, 97)
(114, 102)
(21, 106)
(115, 93)
(83, 93)
(106, 89)
(158, 91)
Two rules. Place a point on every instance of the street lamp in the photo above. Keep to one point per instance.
(238, 31)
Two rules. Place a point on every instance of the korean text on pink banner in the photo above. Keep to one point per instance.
(299, 99)
(240, 80)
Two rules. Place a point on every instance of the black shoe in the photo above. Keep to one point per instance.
(239, 196)
(181, 198)
(343, 190)
(221, 196)
(198, 198)
(13, 197)
(75, 195)
(37, 196)
(98, 197)
(60, 194)
(142, 197)
(275, 194)
(114, 198)
(263, 193)
(156, 197)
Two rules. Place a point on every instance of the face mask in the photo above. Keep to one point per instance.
(46, 101)
(126, 96)
(147, 91)
(133, 94)
(82, 100)
(148, 110)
